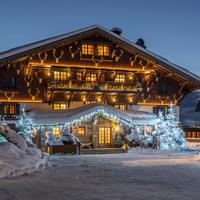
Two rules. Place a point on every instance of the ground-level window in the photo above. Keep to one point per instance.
(10, 108)
(59, 106)
(56, 131)
(157, 109)
(90, 102)
(104, 135)
(120, 106)
(81, 130)
(193, 134)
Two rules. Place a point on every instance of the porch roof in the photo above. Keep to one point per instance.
(60, 117)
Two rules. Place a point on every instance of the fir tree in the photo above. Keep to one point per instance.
(24, 125)
(170, 135)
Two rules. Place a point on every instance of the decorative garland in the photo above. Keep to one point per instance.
(73, 53)
(133, 60)
(33, 96)
(114, 54)
(97, 61)
(58, 57)
(42, 58)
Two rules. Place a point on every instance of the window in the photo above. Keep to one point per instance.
(90, 102)
(79, 76)
(198, 107)
(159, 108)
(60, 75)
(81, 130)
(59, 106)
(120, 78)
(9, 109)
(103, 50)
(56, 131)
(87, 49)
(104, 135)
(120, 106)
(91, 77)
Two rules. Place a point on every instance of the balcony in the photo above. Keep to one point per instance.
(103, 86)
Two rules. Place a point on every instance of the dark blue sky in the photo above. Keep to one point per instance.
(171, 28)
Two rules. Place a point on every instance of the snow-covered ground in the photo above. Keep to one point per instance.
(136, 175)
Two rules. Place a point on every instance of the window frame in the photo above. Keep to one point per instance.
(118, 106)
(58, 106)
(105, 51)
(87, 49)
(11, 109)
(119, 79)
(91, 77)
(56, 131)
(60, 75)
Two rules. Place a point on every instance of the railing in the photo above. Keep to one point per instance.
(89, 85)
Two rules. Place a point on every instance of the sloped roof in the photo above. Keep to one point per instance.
(60, 117)
(33, 46)
(188, 115)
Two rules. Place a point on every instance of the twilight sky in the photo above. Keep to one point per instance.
(170, 28)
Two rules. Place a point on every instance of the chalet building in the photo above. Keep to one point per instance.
(190, 116)
(57, 77)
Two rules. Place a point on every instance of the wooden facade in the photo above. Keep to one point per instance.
(92, 65)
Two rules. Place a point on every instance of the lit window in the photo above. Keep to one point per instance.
(79, 76)
(91, 77)
(81, 130)
(87, 49)
(60, 75)
(120, 78)
(56, 131)
(59, 106)
(120, 106)
(90, 102)
(9, 109)
(103, 50)
(104, 135)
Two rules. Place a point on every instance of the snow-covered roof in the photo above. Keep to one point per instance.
(188, 115)
(60, 117)
(33, 46)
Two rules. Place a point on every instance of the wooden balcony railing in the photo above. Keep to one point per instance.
(89, 85)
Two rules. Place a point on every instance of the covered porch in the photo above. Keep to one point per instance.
(96, 125)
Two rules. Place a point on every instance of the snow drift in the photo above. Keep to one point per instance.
(16, 157)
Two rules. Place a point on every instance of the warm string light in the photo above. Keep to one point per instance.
(90, 116)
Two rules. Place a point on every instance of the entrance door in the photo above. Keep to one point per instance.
(104, 136)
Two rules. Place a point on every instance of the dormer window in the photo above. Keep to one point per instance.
(87, 49)
(103, 50)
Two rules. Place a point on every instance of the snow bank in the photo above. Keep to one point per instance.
(16, 157)
(15, 162)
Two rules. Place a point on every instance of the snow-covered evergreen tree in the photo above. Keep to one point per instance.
(168, 132)
(24, 125)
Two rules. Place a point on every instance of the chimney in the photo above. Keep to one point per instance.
(116, 30)
(140, 42)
